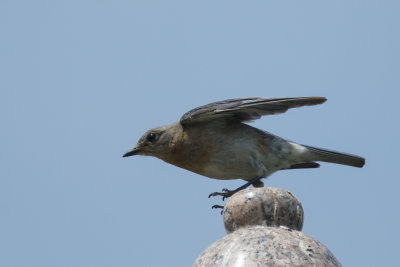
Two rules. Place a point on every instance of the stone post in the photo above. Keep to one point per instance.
(264, 229)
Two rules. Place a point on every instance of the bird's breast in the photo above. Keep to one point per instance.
(190, 151)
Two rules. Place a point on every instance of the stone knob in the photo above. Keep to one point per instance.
(265, 206)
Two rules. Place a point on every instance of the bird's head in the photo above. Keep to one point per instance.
(154, 142)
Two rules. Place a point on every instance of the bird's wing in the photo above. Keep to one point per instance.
(246, 109)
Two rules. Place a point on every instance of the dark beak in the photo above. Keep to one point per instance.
(133, 152)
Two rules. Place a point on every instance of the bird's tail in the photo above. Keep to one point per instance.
(336, 157)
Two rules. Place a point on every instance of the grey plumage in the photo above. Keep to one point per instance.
(213, 140)
(336, 157)
(246, 109)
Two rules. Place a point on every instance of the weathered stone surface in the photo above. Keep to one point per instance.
(263, 226)
(266, 206)
(266, 246)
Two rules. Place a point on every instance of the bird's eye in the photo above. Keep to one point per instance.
(151, 137)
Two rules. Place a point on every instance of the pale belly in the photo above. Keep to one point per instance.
(242, 160)
(250, 159)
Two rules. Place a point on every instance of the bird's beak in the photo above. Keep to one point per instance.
(133, 152)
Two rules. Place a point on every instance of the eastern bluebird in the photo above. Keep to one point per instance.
(213, 140)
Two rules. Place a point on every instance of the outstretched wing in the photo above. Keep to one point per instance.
(246, 109)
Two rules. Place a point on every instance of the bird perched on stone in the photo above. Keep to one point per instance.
(213, 140)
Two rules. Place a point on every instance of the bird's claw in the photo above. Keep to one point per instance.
(225, 193)
(218, 207)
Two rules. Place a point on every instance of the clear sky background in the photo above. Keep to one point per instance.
(81, 81)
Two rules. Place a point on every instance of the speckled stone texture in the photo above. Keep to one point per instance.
(266, 246)
(263, 226)
(267, 206)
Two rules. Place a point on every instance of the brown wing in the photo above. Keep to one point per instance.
(246, 109)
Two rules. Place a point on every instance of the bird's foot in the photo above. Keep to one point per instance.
(218, 207)
(225, 193)
(228, 193)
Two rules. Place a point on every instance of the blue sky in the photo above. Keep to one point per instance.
(81, 81)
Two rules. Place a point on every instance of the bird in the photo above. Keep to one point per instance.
(216, 141)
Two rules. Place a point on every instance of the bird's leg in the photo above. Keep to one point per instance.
(228, 193)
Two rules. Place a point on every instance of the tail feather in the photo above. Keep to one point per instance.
(336, 157)
(305, 165)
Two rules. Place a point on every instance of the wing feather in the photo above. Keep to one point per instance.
(246, 109)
